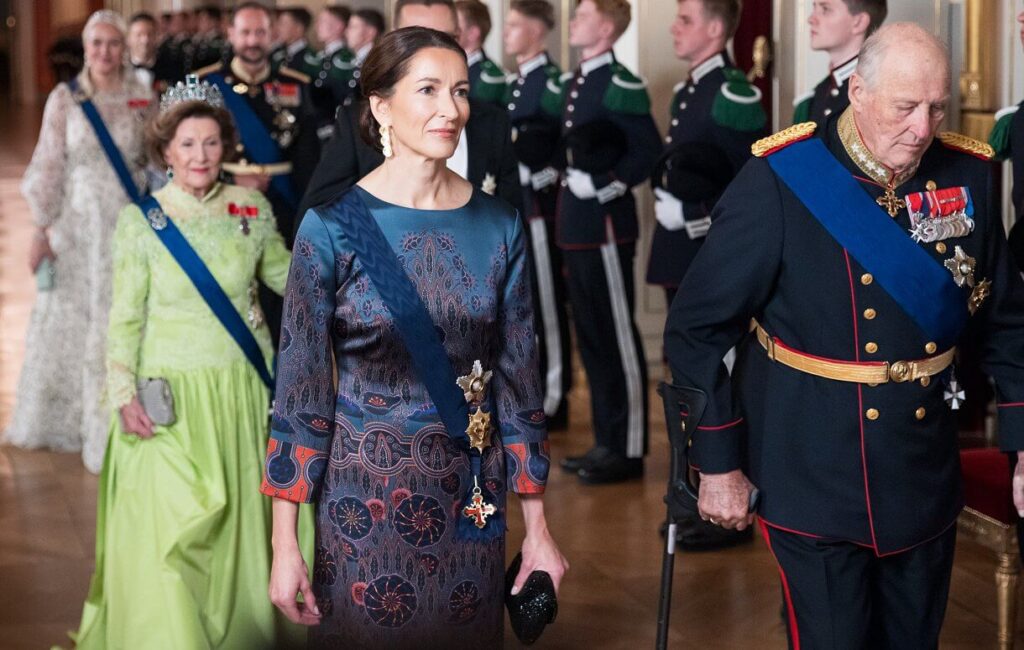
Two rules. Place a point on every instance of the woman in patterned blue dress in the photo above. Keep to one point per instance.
(397, 565)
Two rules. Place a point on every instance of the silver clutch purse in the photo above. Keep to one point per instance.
(157, 400)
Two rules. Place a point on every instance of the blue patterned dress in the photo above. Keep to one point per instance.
(392, 568)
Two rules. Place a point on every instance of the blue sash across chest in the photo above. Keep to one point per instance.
(106, 141)
(207, 286)
(915, 280)
(259, 144)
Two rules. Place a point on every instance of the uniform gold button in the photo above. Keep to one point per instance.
(930, 347)
(870, 313)
(872, 414)
(940, 247)
(925, 381)
(920, 413)
(867, 279)
(930, 186)
(871, 347)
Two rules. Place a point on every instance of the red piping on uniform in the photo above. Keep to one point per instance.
(916, 544)
(778, 342)
(1010, 405)
(791, 531)
(722, 426)
(794, 632)
(860, 405)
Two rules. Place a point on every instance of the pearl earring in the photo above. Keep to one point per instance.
(385, 141)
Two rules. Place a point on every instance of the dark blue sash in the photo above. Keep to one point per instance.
(205, 284)
(921, 286)
(259, 145)
(106, 141)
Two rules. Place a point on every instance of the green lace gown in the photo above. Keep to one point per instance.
(182, 532)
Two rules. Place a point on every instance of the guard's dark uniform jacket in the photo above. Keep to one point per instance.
(830, 97)
(282, 103)
(487, 81)
(876, 465)
(533, 101)
(534, 96)
(296, 58)
(206, 50)
(719, 107)
(169, 67)
(601, 88)
(1007, 139)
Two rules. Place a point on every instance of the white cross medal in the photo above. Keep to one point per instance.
(954, 394)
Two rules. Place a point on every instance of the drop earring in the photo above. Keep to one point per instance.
(170, 174)
(385, 142)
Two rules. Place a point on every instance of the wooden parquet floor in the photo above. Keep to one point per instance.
(726, 600)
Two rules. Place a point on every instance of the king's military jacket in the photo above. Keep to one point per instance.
(534, 96)
(715, 106)
(281, 101)
(829, 98)
(602, 88)
(878, 464)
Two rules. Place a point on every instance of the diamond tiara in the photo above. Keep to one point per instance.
(192, 91)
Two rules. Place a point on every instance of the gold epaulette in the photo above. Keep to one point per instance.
(785, 137)
(213, 67)
(967, 144)
(295, 74)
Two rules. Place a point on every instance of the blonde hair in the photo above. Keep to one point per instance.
(105, 17)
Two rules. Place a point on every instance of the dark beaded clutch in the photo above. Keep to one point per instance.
(534, 607)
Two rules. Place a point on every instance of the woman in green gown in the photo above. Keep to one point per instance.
(182, 552)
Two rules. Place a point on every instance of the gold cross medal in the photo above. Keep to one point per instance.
(892, 203)
(478, 510)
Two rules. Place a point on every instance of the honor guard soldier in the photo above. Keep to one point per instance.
(716, 115)
(864, 257)
(169, 67)
(533, 101)
(839, 28)
(292, 24)
(208, 44)
(597, 231)
(335, 65)
(363, 29)
(487, 81)
(1007, 138)
(277, 147)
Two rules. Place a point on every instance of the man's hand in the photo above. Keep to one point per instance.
(1018, 485)
(253, 181)
(724, 499)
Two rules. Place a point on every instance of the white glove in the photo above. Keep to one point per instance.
(668, 210)
(580, 184)
(543, 178)
(524, 175)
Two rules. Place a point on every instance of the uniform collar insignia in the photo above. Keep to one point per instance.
(701, 69)
(241, 75)
(595, 62)
(534, 63)
(475, 57)
(875, 169)
(844, 71)
(296, 47)
(363, 52)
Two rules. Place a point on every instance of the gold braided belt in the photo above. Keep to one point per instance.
(871, 372)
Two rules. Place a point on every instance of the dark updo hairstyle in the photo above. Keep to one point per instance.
(161, 130)
(387, 63)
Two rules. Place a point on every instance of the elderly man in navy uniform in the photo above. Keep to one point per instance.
(716, 115)
(277, 149)
(597, 231)
(838, 27)
(864, 257)
(533, 100)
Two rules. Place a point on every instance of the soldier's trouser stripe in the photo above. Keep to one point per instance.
(549, 316)
(627, 348)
